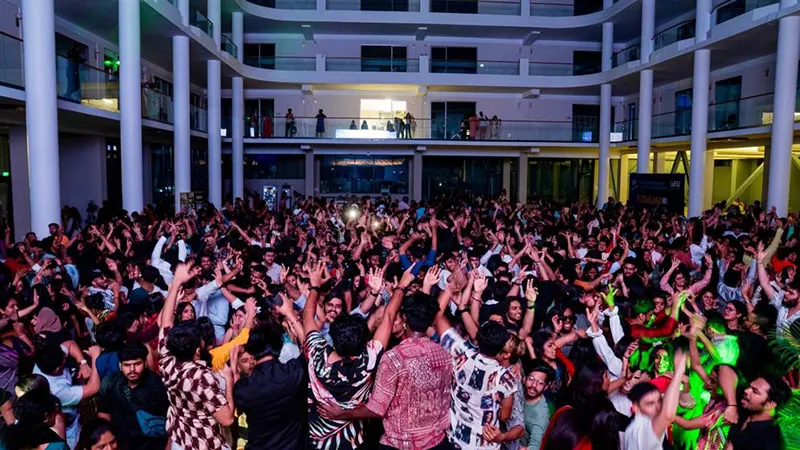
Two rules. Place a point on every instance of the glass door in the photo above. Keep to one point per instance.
(683, 112)
(726, 98)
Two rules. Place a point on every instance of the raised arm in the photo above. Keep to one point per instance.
(670, 400)
(183, 273)
(763, 277)
(310, 308)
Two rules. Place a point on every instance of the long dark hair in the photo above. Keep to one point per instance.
(92, 432)
(596, 421)
(587, 384)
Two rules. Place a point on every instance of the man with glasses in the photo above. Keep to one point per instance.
(537, 410)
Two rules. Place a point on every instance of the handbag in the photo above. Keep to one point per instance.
(152, 426)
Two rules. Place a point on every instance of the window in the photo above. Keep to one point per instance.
(585, 63)
(443, 175)
(383, 58)
(163, 165)
(363, 174)
(683, 112)
(454, 60)
(199, 158)
(726, 103)
(258, 167)
(163, 86)
(455, 6)
(259, 55)
(384, 5)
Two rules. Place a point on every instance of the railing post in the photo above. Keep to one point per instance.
(524, 64)
(320, 62)
(424, 64)
(525, 8)
(425, 6)
(321, 5)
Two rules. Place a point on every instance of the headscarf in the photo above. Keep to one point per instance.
(47, 322)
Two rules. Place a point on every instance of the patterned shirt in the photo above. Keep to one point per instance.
(194, 396)
(412, 394)
(348, 382)
(480, 386)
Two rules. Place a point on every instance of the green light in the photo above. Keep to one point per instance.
(5, 174)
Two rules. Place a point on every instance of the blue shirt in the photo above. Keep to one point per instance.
(429, 261)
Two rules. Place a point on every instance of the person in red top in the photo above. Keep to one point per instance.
(642, 315)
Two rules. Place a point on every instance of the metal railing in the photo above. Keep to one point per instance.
(339, 64)
(373, 5)
(731, 9)
(580, 129)
(286, 4)
(229, 47)
(549, 68)
(492, 7)
(539, 8)
(482, 67)
(675, 33)
(627, 54)
(300, 63)
(79, 82)
(197, 19)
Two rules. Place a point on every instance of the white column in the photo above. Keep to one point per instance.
(130, 94)
(608, 45)
(215, 17)
(237, 111)
(416, 177)
(41, 114)
(182, 135)
(183, 7)
(697, 170)
(702, 23)
(213, 103)
(780, 164)
(507, 176)
(604, 155)
(648, 28)
(645, 120)
(310, 173)
(522, 177)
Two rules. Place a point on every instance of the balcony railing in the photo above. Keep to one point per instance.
(475, 67)
(493, 7)
(229, 47)
(286, 4)
(198, 118)
(580, 129)
(550, 69)
(673, 34)
(157, 106)
(11, 73)
(373, 5)
(336, 64)
(300, 63)
(731, 9)
(626, 55)
(736, 114)
(541, 8)
(197, 19)
(79, 82)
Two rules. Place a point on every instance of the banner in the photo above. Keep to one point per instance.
(658, 190)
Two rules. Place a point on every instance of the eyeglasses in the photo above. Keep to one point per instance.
(567, 318)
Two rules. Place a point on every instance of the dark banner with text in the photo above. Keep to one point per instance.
(657, 191)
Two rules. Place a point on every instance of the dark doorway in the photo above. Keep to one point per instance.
(585, 120)
(448, 119)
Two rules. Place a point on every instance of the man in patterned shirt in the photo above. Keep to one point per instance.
(198, 406)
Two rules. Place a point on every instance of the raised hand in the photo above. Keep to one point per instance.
(480, 283)
(431, 278)
(316, 274)
(375, 282)
(531, 293)
(408, 277)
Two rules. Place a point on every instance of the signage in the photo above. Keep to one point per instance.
(657, 191)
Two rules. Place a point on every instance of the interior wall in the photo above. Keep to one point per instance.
(82, 163)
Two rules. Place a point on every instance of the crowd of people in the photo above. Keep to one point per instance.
(467, 324)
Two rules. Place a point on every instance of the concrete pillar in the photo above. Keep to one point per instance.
(215, 17)
(183, 8)
(130, 94)
(182, 131)
(522, 177)
(214, 105)
(41, 114)
(416, 177)
(765, 176)
(700, 86)
(608, 46)
(604, 155)
(708, 182)
(310, 174)
(237, 106)
(507, 176)
(648, 28)
(784, 107)
(645, 120)
(702, 23)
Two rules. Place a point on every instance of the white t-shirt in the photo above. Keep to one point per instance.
(70, 395)
(640, 435)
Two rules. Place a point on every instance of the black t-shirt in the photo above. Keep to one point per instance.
(763, 435)
(274, 399)
(122, 402)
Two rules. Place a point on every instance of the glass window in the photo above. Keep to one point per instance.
(259, 167)
(363, 174)
(199, 169)
(163, 174)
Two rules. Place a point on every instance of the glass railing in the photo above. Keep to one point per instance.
(673, 34)
(546, 9)
(157, 106)
(284, 63)
(476, 67)
(580, 129)
(197, 19)
(229, 47)
(549, 68)
(493, 7)
(626, 55)
(198, 118)
(11, 73)
(81, 83)
(286, 4)
(335, 64)
(624, 131)
(731, 9)
(373, 5)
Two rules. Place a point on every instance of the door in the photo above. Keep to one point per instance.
(113, 174)
(683, 112)
(449, 119)
(727, 94)
(585, 119)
